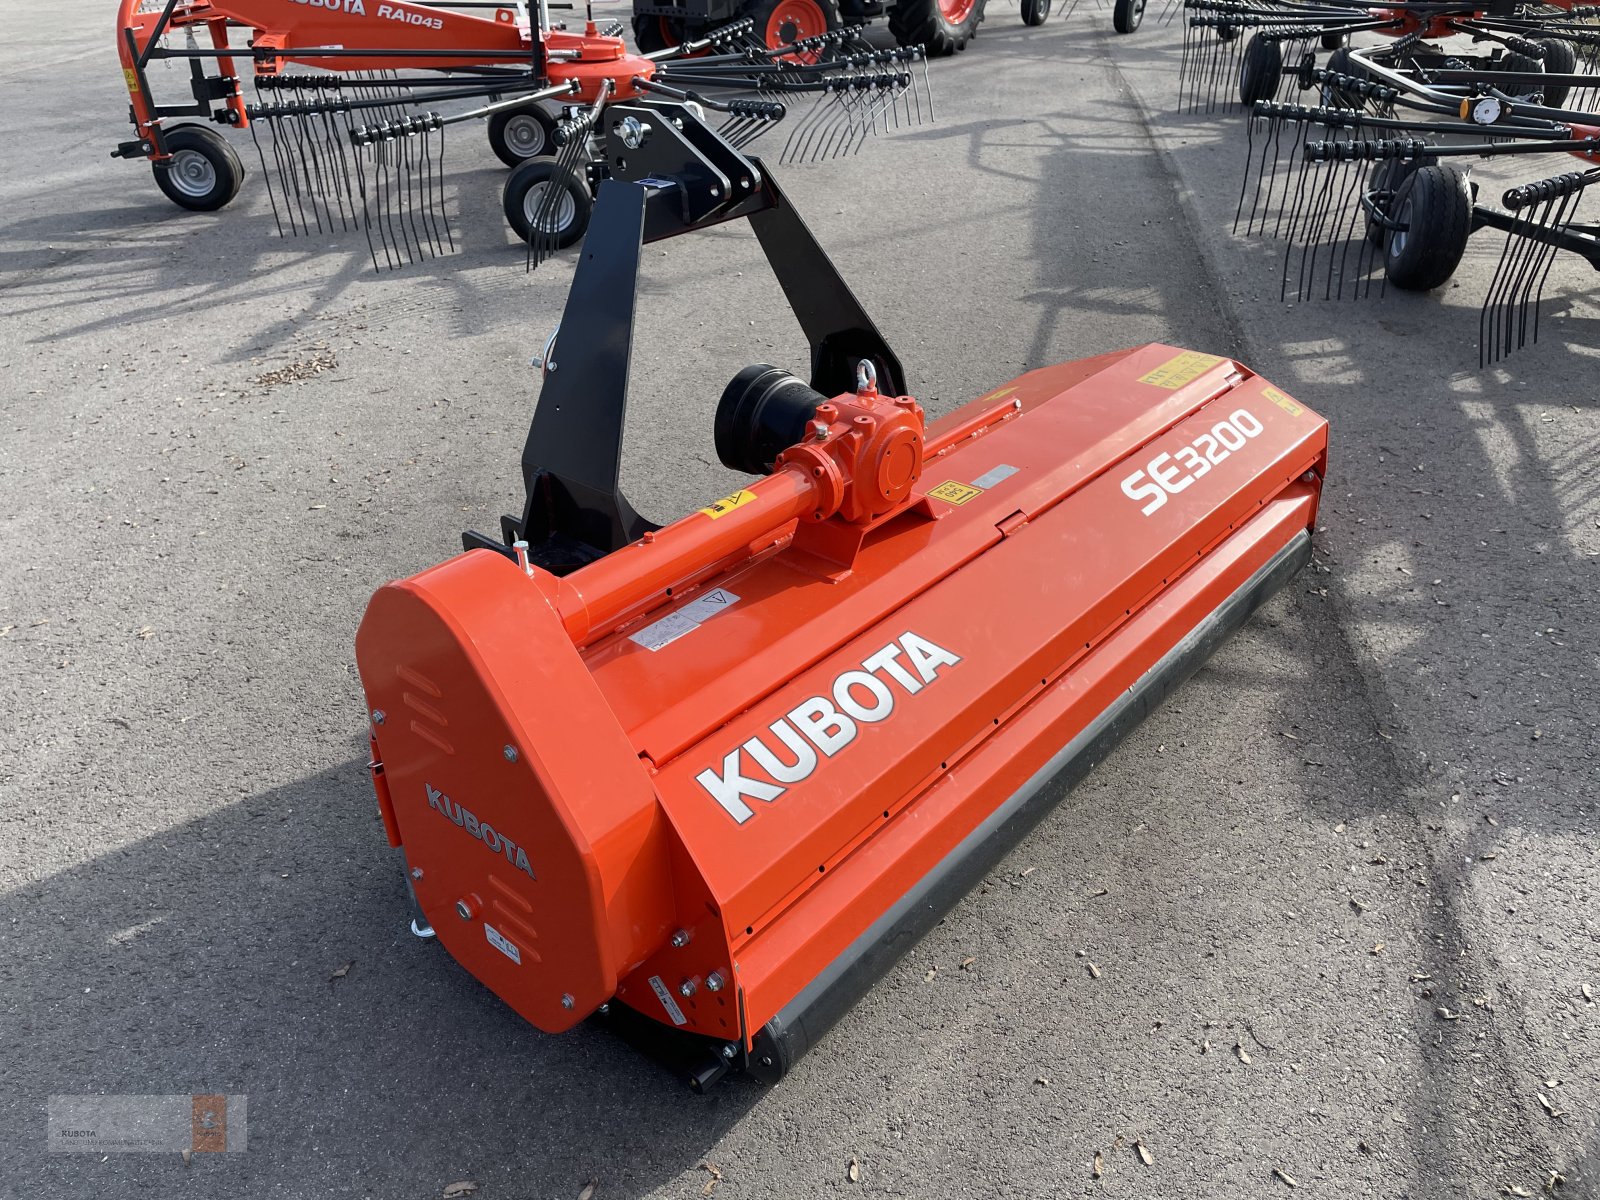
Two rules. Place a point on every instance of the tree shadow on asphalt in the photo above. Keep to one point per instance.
(212, 950)
(138, 261)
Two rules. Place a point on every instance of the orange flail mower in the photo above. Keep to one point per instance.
(711, 779)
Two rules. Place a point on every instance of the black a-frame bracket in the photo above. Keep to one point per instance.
(669, 174)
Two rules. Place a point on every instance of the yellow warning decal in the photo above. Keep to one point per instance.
(1283, 402)
(997, 394)
(131, 77)
(952, 492)
(1179, 370)
(720, 508)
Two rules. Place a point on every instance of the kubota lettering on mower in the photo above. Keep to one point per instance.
(482, 830)
(829, 724)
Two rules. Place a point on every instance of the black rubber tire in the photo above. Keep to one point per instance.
(203, 173)
(1559, 59)
(1521, 62)
(1127, 15)
(1260, 70)
(1387, 176)
(518, 134)
(653, 33)
(1335, 41)
(541, 172)
(1035, 12)
(1227, 33)
(922, 23)
(1436, 205)
(1341, 63)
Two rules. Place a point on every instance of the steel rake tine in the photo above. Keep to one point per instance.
(1297, 139)
(1537, 266)
(444, 211)
(402, 193)
(358, 154)
(1521, 257)
(394, 203)
(1249, 158)
(1364, 255)
(1488, 320)
(333, 151)
(1576, 200)
(1295, 209)
(424, 158)
(422, 195)
(841, 125)
(1311, 234)
(288, 180)
(318, 175)
(1353, 180)
(266, 175)
(801, 128)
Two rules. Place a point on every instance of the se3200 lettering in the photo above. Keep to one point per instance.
(1168, 474)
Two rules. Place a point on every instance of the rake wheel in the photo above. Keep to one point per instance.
(1387, 178)
(203, 173)
(518, 134)
(1434, 211)
(524, 192)
(1559, 59)
(1260, 71)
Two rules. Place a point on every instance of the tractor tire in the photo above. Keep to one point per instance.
(1260, 71)
(1435, 205)
(1521, 62)
(781, 23)
(1559, 59)
(1035, 12)
(203, 173)
(518, 134)
(1127, 15)
(652, 34)
(524, 190)
(941, 27)
(1387, 176)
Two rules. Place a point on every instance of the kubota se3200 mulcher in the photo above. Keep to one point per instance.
(711, 778)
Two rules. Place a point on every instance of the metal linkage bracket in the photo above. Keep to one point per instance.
(668, 174)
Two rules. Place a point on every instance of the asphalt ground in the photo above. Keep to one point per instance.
(1340, 893)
